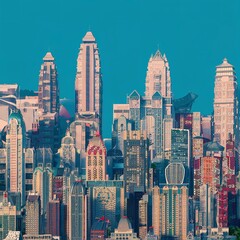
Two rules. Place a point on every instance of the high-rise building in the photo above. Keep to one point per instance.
(136, 160)
(8, 216)
(15, 144)
(30, 165)
(143, 214)
(33, 214)
(170, 211)
(77, 218)
(48, 92)
(158, 77)
(53, 225)
(226, 116)
(88, 83)
(180, 146)
(96, 160)
(105, 199)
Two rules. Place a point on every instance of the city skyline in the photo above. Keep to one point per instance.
(201, 44)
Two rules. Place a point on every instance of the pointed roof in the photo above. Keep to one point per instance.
(225, 63)
(124, 225)
(48, 57)
(89, 37)
(158, 55)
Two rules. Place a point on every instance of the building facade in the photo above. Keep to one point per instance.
(48, 92)
(226, 116)
(88, 83)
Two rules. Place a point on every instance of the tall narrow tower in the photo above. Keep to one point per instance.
(225, 104)
(15, 144)
(158, 76)
(48, 92)
(88, 83)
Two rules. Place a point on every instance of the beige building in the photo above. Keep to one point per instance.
(225, 104)
(33, 212)
(170, 211)
(96, 160)
(88, 83)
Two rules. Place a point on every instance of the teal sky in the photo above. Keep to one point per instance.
(195, 35)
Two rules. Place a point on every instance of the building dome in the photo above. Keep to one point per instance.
(124, 225)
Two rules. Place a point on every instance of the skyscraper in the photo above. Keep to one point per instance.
(33, 214)
(88, 83)
(158, 76)
(48, 92)
(225, 104)
(170, 211)
(15, 144)
(136, 160)
(77, 212)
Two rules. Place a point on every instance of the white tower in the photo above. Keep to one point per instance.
(225, 104)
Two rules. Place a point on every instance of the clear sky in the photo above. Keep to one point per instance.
(195, 35)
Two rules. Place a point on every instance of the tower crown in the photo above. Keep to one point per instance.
(48, 57)
(89, 37)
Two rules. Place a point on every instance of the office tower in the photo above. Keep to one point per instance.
(30, 165)
(48, 92)
(207, 127)
(206, 212)
(136, 161)
(96, 160)
(43, 177)
(158, 77)
(8, 216)
(88, 83)
(226, 116)
(120, 125)
(105, 199)
(180, 146)
(15, 144)
(170, 211)
(3, 169)
(39, 237)
(29, 109)
(33, 214)
(53, 225)
(147, 115)
(77, 218)
(158, 80)
(143, 213)
(124, 229)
